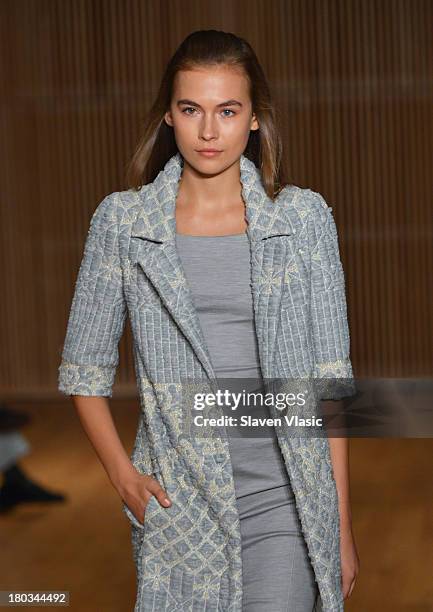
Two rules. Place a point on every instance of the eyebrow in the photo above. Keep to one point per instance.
(226, 103)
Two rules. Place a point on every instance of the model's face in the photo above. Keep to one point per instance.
(211, 109)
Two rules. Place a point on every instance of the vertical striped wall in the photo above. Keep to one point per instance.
(353, 86)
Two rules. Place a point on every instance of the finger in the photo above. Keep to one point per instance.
(344, 588)
(350, 589)
(161, 495)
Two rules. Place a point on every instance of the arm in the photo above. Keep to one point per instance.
(339, 449)
(96, 419)
(330, 331)
(90, 353)
(333, 369)
(98, 312)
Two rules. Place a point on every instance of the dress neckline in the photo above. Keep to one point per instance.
(221, 236)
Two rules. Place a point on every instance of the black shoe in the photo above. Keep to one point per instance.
(12, 494)
(11, 420)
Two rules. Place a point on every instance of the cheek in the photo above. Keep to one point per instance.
(180, 128)
(185, 140)
(237, 134)
(183, 129)
(239, 126)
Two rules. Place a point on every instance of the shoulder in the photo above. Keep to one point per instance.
(117, 209)
(303, 199)
(306, 208)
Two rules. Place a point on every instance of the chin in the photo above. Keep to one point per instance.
(206, 165)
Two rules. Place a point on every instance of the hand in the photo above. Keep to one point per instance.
(136, 491)
(349, 559)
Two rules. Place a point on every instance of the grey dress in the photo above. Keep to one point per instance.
(277, 572)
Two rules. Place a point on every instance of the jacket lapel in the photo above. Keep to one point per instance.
(153, 239)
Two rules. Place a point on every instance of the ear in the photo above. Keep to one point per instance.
(168, 118)
(254, 123)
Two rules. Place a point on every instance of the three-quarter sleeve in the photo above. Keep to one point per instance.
(330, 330)
(98, 312)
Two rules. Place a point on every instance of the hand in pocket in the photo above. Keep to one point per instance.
(137, 490)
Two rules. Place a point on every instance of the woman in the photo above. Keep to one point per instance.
(224, 271)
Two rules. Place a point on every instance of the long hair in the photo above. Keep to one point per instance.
(200, 49)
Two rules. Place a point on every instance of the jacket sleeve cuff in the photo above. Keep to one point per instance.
(75, 379)
(334, 380)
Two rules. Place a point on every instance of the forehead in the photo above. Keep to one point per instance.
(211, 84)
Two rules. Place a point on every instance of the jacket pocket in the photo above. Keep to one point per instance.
(148, 510)
(156, 473)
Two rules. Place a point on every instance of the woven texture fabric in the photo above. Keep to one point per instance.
(188, 556)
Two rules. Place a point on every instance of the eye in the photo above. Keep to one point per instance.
(191, 108)
(188, 108)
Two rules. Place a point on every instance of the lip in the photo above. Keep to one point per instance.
(208, 152)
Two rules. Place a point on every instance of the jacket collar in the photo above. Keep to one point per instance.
(156, 218)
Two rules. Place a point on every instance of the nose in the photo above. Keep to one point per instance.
(208, 128)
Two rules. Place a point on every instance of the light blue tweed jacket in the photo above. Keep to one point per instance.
(188, 556)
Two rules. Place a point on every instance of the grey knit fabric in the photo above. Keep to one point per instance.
(188, 556)
(217, 269)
